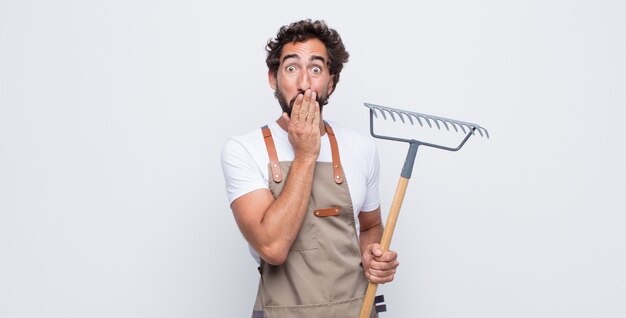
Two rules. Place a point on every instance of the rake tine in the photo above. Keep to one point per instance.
(437, 123)
(481, 130)
(428, 122)
(382, 113)
(401, 117)
(463, 128)
(392, 116)
(410, 119)
(418, 119)
(446, 124)
(454, 126)
(484, 131)
(373, 111)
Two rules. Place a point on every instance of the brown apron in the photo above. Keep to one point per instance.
(322, 276)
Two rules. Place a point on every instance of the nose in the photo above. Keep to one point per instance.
(304, 82)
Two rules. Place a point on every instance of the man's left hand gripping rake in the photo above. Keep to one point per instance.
(468, 128)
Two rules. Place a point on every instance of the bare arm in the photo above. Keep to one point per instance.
(379, 267)
(271, 224)
(371, 228)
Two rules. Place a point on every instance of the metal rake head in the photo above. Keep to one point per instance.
(429, 119)
(468, 129)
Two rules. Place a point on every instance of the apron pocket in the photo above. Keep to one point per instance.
(348, 308)
(307, 238)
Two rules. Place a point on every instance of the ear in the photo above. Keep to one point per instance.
(330, 86)
(271, 77)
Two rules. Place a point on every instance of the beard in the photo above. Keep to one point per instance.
(287, 106)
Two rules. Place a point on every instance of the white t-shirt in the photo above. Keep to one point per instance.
(245, 164)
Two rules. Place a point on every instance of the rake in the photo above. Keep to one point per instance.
(469, 129)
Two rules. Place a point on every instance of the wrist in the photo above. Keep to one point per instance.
(308, 160)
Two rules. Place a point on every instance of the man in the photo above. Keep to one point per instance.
(304, 192)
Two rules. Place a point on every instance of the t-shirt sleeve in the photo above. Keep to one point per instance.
(372, 197)
(241, 173)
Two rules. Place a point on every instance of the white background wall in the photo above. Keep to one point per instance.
(112, 116)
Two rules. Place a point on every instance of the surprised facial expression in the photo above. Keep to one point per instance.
(303, 65)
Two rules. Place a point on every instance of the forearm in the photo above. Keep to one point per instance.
(282, 221)
(370, 235)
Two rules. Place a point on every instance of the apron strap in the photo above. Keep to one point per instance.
(337, 169)
(277, 175)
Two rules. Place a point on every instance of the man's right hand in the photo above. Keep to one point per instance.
(304, 126)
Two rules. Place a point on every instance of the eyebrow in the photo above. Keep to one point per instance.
(296, 56)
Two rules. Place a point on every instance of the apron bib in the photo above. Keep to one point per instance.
(322, 276)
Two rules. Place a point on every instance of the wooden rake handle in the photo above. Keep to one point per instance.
(385, 241)
(390, 225)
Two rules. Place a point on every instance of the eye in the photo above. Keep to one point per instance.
(316, 69)
(290, 68)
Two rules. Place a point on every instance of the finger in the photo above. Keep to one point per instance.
(384, 265)
(381, 280)
(295, 110)
(380, 277)
(316, 116)
(310, 109)
(306, 110)
(382, 274)
(297, 104)
(387, 256)
(376, 250)
(314, 110)
(304, 107)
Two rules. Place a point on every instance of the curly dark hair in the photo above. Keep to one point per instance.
(302, 31)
